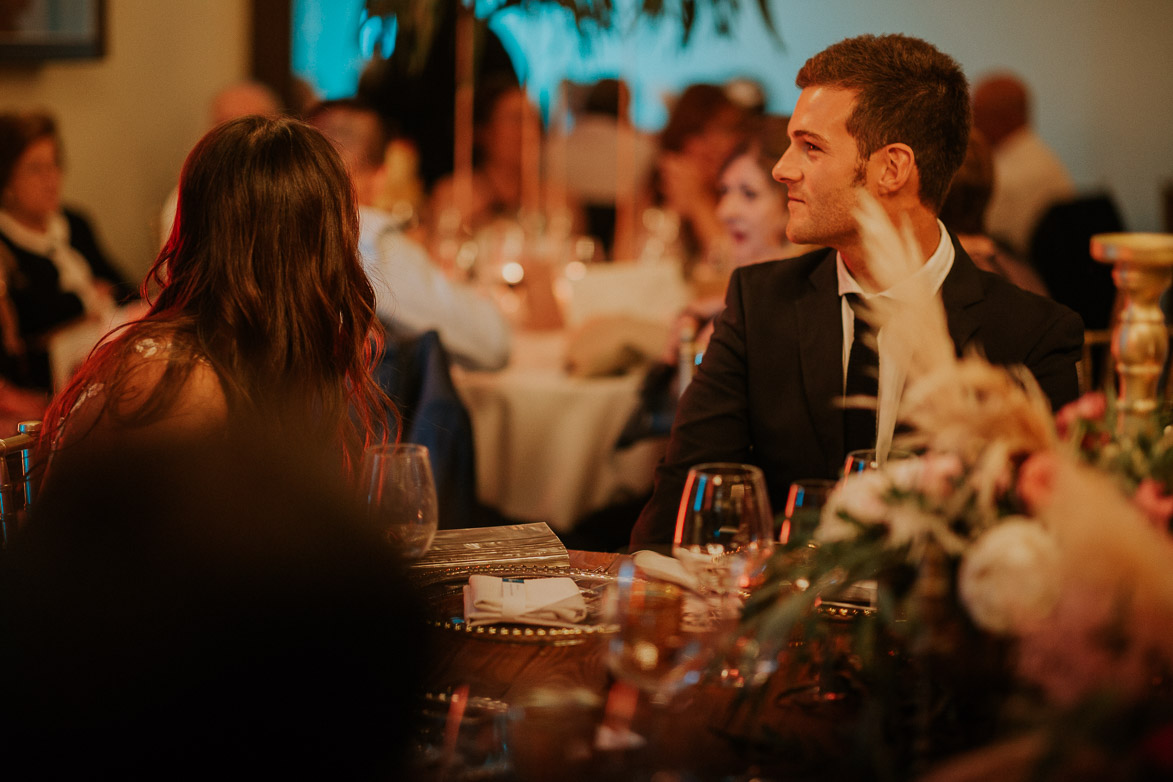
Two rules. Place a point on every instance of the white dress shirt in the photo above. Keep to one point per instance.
(412, 294)
(892, 376)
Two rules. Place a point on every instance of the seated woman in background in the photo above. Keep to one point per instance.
(752, 209)
(751, 203)
(263, 314)
(753, 212)
(54, 272)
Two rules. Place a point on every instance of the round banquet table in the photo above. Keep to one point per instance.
(545, 441)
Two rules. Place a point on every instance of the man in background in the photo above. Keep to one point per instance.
(412, 294)
(1028, 177)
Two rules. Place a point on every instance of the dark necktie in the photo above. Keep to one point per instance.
(863, 372)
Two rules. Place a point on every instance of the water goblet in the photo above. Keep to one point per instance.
(400, 496)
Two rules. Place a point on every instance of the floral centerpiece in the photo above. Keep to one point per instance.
(1021, 559)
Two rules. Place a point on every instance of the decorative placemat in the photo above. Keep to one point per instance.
(442, 590)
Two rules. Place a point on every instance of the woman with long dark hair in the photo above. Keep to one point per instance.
(263, 316)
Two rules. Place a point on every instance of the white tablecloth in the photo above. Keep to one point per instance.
(545, 441)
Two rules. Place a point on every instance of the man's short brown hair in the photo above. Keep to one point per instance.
(908, 92)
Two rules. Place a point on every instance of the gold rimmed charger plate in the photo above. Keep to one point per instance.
(442, 590)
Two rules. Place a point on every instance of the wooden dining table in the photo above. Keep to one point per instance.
(570, 719)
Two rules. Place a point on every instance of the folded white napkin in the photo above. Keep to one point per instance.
(665, 568)
(549, 602)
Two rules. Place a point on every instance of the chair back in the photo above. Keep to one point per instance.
(1095, 364)
(18, 480)
(414, 372)
(1060, 251)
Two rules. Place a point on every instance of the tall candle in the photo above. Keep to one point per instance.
(531, 159)
(463, 131)
(556, 192)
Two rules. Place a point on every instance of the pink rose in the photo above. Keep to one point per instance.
(1036, 480)
(1156, 505)
(1092, 406)
(939, 474)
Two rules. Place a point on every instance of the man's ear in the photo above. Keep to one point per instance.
(896, 168)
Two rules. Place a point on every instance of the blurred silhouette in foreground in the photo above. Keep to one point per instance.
(180, 610)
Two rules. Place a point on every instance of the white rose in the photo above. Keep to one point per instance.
(904, 474)
(1009, 578)
(860, 496)
(907, 523)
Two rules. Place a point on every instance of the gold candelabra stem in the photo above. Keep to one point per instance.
(1142, 269)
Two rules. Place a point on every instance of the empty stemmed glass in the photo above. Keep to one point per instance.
(724, 537)
(724, 529)
(804, 506)
(400, 496)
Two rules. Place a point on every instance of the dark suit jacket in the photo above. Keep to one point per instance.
(767, 389)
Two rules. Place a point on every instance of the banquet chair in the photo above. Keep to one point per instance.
(18, 479)
(1059, 252)
(1095, 363)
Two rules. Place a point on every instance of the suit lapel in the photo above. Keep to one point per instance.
(819, 317)
(962, 289)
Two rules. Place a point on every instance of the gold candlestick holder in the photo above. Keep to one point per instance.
(1142, 269)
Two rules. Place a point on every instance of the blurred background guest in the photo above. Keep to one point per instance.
(595, 152)
(55, 273)
(264, 311)
(206, 604)
(241, 99)
(1028, 177)
(412, 295)
(752, 208)
(504, 122)
(964, 213)
(752, 205)
(704, 126)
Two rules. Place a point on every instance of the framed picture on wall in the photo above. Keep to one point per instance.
(33, 30)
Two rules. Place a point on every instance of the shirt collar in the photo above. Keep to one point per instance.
(930, 276)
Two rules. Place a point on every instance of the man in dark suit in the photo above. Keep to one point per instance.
(890, 115)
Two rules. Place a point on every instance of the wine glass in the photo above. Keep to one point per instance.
(724, 536)
(400, 496)
(724, 529)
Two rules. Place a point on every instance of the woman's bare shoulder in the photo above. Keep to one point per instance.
(155, 389)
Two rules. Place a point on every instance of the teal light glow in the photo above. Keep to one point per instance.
(333, 40)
